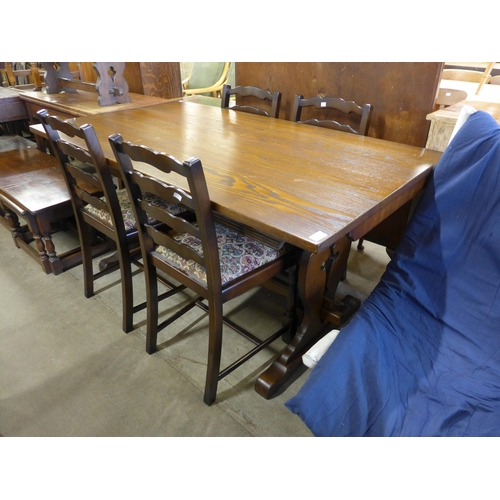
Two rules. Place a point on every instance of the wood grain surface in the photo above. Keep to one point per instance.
(301, 184)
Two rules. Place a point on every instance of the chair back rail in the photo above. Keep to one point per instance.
(195, 206)
(239, 92)
(97, 205)
(334, 103)
(95, 182)
(185, 246)
(342, 108)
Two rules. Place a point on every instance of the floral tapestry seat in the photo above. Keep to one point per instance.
(239, 254)
(127, 212)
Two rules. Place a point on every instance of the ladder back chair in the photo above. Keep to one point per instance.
(470, 75)
(212, 259)
(335, 103)
(27, 78)
(98, 206)
(243, 92)
(465, 75)
(340, 105)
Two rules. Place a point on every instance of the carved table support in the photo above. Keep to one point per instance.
(111, 84)
(318, 279)
(52, 75)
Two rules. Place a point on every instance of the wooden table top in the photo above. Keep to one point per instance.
(83, 103)
(32, 180)
(302, 184)
(489, 93)
(11, 106)
(8, 94)
(203, 99)
(450, 114)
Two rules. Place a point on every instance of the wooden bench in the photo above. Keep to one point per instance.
(32, 187)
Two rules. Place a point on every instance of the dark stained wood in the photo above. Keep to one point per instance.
(90, 184)
(12, 108)
(71, 104)
(196, 218)
(402, 94)
(133, 75)
(353, 177)
(308, 186)
(343, 109)
(111, 86)
(273, 99)
(312, 187)
(33, 188)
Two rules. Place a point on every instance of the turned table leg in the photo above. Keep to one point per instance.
(15, 227)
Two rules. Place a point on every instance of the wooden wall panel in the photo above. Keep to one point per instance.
(133, 76)
(402, 94)
(161, 79)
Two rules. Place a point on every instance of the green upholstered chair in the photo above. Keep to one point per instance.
(207, 78)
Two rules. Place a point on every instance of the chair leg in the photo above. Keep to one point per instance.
(86, 250)
(214, 351)
(152, 308)
(127, 289)
(360, 244)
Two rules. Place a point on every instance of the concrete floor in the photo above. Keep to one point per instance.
(67, 368)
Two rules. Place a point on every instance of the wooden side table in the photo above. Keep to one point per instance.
(32, 188)
(443, 121)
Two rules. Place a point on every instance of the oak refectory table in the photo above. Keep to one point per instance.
(314, 188)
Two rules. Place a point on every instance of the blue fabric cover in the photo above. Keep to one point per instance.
(422, 355)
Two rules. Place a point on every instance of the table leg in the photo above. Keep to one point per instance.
(42, 253)
(17, 230)
(318, 279)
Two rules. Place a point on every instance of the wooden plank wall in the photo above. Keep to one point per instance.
(402, 94)
(161, 79)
